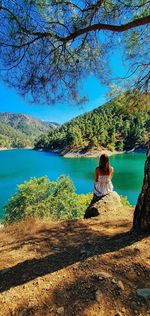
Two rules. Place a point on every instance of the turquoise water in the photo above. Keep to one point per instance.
(19, 165)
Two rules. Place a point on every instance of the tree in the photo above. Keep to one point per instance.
(141, 221)
(47, 47)
(135, 135)
(74, 136)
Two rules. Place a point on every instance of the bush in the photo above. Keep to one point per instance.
(41, 197)
(125, 201)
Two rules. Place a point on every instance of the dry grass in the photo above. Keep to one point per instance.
(46, 265)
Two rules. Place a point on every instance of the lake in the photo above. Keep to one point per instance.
(19, 165)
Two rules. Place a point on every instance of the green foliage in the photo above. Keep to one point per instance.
(49, 47)
(11, 137)
(110, 126)
(19, 130)
(41, 197)
(120, 145)
(124, 201)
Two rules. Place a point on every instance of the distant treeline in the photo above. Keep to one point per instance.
(110, 126)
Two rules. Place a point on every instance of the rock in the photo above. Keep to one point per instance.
(138, 273)
(145, 293)
(118, 314)
(91, 212)
(113, 281)
(136, 251)
(108, 203)
(61, 311)
(120, 285)
(103, 275)
(99, 296)
(123, 310)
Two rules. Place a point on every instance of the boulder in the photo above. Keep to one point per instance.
(109, 203)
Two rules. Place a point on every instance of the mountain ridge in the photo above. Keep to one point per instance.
(108, 127)
(20, 130)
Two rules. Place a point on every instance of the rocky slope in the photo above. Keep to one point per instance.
(90, 267)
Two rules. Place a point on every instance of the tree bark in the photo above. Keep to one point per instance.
(141, 221)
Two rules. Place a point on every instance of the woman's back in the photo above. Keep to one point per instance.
(103, 184)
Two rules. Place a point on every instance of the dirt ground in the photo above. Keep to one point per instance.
(94, 267)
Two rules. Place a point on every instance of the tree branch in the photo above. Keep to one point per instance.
(19, 62)
(95, 27)
(108, 27)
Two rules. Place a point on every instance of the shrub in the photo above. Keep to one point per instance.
(40, 197)
(125, 201)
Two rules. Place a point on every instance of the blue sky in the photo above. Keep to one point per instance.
(10, 101)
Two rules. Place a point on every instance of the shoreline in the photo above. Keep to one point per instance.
(83, 153)
(79, 154)
(98, 153)
(4, 148)
(92, 153)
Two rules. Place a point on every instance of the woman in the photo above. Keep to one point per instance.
(103, 176)
(102, 185)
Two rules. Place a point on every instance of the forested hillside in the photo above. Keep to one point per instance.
(109, 126)
(20, 130)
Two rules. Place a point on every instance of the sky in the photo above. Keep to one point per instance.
(10, 101)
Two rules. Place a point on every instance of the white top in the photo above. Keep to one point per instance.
(103, 185)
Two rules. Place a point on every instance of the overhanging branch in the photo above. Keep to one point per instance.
(92, 27)
(108, 27)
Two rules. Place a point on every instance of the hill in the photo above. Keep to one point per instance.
(21, 130)
(108, 127)
(92, 267)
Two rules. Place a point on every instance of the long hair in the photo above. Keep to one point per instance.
(104, 165)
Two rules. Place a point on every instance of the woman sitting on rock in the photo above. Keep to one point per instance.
(102, 185)
(103, 176)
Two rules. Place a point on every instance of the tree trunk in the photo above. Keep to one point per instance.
(141, 221)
